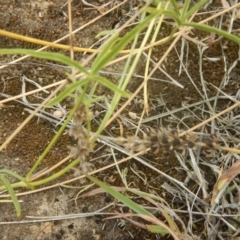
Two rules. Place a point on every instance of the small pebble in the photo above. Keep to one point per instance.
(58, 114)
(71, 226)
(98, 219)
(132, 115)
(125, 209)
(108, 199)
(85, 209)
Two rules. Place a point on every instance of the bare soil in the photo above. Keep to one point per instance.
(48, 21)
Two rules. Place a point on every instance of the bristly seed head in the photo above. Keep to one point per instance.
(176, 142)
(154, 139)
(168, 140)
(83, 147)
(191, 145)
(154, 149)
(165, 140)
(181, 151)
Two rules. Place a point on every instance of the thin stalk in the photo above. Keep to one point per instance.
(58, 134)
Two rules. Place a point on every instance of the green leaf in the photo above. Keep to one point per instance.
(144, 194)
(76, 84)
(175, 7)
(166, 13)
(12, 195)
(107, 83)
(126, 201)
(15, 175)
(67, 91)
(115, 44)
(185, 7)
(106, 32)
(58, 57)
(194, 9)
(157, 229)
(211, 29)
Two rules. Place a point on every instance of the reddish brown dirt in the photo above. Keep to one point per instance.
(46, 21)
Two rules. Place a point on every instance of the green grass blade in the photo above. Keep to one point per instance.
(128, 71)
(128, 202)
(194, 9)
(105, 82)
(175, 7)
(164, 12)
(56, 175)
(67, 91)
(185, 8)
(12, 194)
(157, 229)
(15, 175)
(210, 29)
(109, 53)
(72, 87)
(115, 45)
(149, 195)
(58, 57)
(105, 33)
(45, 180)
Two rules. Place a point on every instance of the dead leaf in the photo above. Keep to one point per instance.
(47, 227)
(225, 178)
(225, 4)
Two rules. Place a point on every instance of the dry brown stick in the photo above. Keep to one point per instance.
(211, 118)
(33, 91)
(70, 30)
